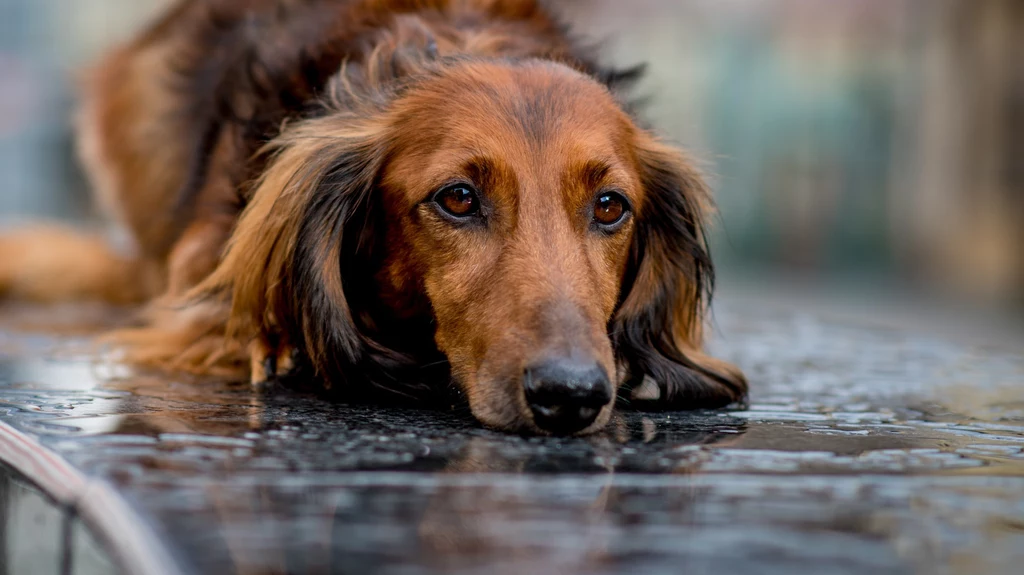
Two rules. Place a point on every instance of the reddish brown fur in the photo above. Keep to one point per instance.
(323, 240)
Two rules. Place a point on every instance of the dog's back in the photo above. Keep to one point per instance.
(171, 123)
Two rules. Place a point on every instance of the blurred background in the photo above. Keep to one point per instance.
(858, 146)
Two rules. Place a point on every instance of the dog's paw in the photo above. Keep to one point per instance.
(648, 390)
(270, 360)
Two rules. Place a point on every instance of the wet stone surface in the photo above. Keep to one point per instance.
(864, 450)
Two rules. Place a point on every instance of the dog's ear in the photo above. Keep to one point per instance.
(310, 220)
(658, 329)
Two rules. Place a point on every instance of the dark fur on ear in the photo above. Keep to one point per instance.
(303, 256)
(658, 328)
(334, 315)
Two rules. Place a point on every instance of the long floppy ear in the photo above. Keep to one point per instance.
(658, 328)
(309, 222)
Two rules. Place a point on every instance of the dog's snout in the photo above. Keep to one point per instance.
(566, 396)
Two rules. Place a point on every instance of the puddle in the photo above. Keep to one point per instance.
(863, 450)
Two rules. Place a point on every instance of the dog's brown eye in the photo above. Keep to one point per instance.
(460, 201)
(610, 209)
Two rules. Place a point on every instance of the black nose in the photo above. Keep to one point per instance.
(566, 396)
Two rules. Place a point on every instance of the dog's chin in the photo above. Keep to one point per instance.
(498, 409)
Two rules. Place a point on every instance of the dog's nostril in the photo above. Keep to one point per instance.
(566, 396)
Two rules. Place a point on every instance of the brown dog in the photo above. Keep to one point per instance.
(381, 188)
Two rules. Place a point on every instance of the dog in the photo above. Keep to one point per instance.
(403, 195)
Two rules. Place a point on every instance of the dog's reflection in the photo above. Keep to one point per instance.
(565, 523)
(515, 506)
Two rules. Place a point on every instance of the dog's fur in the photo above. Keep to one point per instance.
(274, 160)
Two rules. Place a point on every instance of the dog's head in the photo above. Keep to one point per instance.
(510, 216)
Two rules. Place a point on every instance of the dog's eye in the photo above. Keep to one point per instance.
(459, 200)
(610, 209)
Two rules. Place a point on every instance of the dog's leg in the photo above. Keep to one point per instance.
(196, 255)
(49, 263)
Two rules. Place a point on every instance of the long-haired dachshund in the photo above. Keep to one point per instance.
(411, 195)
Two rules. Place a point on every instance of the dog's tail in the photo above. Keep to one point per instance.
(51, 263)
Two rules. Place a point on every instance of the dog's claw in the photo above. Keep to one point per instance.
(269, 367)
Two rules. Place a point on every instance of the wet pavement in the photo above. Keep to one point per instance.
(866, 449)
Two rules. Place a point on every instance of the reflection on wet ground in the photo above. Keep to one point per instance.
(864, 450)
